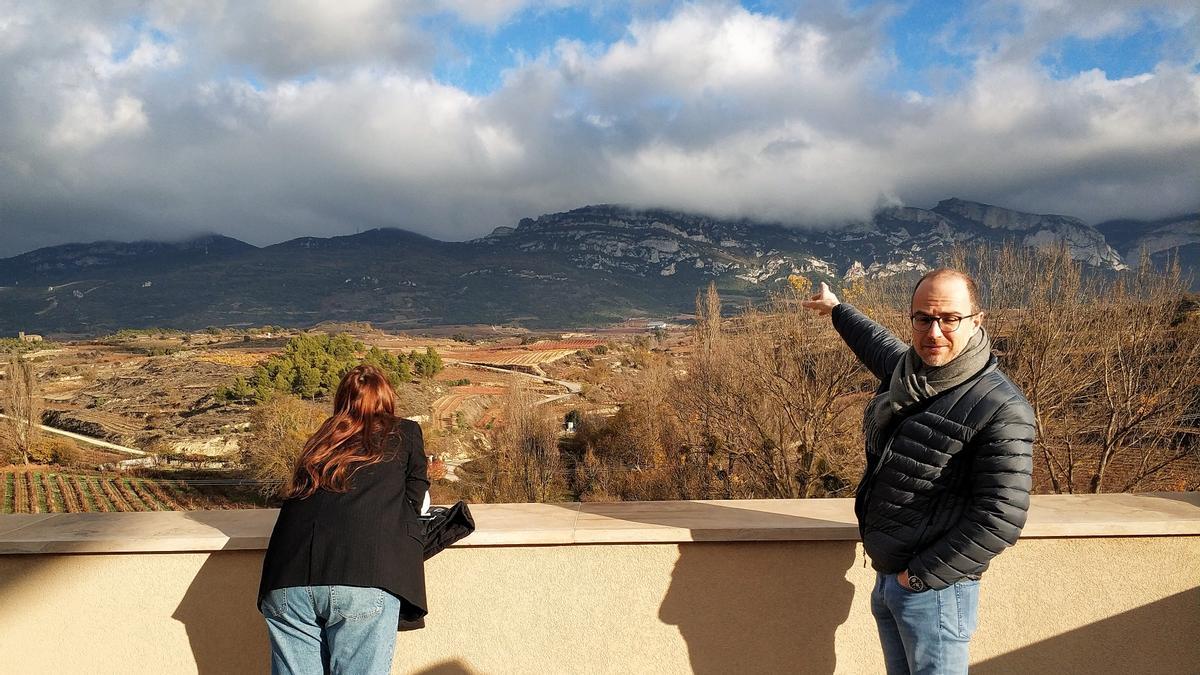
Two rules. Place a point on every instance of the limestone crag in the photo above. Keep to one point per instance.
(897, 240)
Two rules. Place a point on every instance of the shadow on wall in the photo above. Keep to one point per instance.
(738, 609)
(739, 612)
(226, 632)
(224, 628)
(1154, 638)
(454, 667)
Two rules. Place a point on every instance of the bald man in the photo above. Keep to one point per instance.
(949, 441)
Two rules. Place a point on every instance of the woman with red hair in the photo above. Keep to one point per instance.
(345, 563)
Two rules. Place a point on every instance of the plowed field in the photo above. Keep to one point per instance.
(45, 490)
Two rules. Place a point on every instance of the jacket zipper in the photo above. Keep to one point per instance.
(903, 414)
(868, 480)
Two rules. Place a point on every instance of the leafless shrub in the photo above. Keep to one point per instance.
(644, 452)
(278, 430)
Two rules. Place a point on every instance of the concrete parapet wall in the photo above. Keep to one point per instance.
(730, 592)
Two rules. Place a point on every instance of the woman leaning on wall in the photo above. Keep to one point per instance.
(345, 564)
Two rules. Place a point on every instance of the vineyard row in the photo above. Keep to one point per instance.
(53, 492)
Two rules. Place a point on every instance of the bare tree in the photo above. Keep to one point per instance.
(648, 450)
(23, 408)
(525, 461)
(768, 397)
(1111, 376)
(769, 402)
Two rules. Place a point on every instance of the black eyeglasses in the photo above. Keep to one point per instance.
(948, 324)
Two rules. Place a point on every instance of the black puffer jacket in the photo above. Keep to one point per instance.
(949, 488)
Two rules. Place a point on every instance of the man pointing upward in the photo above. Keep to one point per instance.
(949, 441)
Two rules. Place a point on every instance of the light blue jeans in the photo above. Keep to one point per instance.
(925, 633)
(331, 629)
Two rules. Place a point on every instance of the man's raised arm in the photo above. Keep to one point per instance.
(877, 348)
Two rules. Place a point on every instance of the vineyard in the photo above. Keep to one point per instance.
(477, 398)
(232, 358)
(512, 356)
(570, 345)
(47, 490)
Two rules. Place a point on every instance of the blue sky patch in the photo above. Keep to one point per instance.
(474, 58)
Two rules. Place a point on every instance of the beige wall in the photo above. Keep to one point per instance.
(1098, 605)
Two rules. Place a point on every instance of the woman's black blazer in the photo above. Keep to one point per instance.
(369, 536)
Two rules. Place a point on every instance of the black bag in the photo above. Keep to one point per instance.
(446, 525)
(443, 526)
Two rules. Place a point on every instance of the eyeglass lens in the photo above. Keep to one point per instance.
(948, 324)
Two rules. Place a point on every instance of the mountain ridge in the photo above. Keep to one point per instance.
(589, 265)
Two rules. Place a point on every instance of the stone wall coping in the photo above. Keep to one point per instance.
(1051, 516)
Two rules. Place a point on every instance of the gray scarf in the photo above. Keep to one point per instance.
(914, 381)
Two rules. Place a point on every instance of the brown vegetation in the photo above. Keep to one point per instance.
(72, 499)
(769, 403)
(278, 430)
(20, 429)
(524, 465)
(1109, 370)
(45, 489)
(757, 409)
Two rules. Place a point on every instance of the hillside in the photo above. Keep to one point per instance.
(589, 266)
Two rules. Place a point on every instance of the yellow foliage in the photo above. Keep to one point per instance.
(236, 359)
(801, 285)
(855, 291)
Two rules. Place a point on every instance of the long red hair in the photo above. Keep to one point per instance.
(363, 409)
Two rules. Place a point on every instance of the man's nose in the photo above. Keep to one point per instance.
(935, 328)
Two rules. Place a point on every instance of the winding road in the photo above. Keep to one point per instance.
(572, 388)
(89, 440)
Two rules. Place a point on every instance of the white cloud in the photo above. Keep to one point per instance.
(1023, 30)
(127, 129)
(88, 120)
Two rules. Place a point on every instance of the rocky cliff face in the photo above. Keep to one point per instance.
(1159, 237)
(901, 239)
(1084, 242)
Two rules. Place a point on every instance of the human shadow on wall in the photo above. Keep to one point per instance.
(748, 608)
(226, 632)
(224, 628)
(738, 607)
(1154, 638)
(454, 667)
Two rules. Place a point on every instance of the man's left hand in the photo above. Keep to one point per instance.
(902, 577)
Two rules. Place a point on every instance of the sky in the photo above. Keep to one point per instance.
(267, 120)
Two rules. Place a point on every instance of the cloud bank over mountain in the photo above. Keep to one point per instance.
(271, 120)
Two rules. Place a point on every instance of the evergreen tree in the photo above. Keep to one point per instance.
(311, 366)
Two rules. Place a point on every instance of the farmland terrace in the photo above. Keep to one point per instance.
(1098, 584)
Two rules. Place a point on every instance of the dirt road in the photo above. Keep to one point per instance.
(89, 440)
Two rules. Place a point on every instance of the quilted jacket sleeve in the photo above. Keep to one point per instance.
(877, 348)
(1001, 479)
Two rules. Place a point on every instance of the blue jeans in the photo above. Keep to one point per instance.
(331, 629)
(925, 633)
